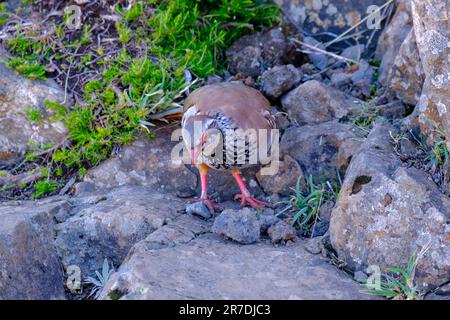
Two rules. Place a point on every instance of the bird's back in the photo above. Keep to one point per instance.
(248, 108)
(234, 107)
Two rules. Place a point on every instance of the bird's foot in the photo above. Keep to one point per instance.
(211, 205)
(253, 202)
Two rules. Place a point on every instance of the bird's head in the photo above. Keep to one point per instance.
(200, 136)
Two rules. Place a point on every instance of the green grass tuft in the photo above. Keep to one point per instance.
(33, 115)
(365, 117)
(43, 187)
(397, 283)
(3, 15)
(305, 207)
(439, 153)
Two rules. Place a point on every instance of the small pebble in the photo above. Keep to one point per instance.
(314, 245)
(360, 277)
(198, 209)
(240, 225)
(281, 231)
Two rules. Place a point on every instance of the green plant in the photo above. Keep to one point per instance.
(115, 294)
(375, 63)
(33, 115)
(373, 90)
(26, 57)
(44, 187)
(397, 283)
(365, 116)
(305, 208)
(3, 15)
(439, 153)
(32, 70)
(124, 33)
(376, 75)
(99, 282)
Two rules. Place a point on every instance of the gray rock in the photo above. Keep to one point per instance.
(362, 79)
(392, 38)
(281, 119)
(322, 149)
(308, 69)
(19, 96)
(240, 225)
(446, 182)
(209, 268)
(320, 228)
(147, 163)
(356, 79)
(406, 76)
(360, 277)
(282, 231)
(431, 32)
(319, 60)
(62, 212)
(353, 52)
(316, 245)
(267, 219)
(433, 296)
(289, 172)
(182, 230)
(386, 212)
(325, 210)
(251, 55)
(279, 80)
(392, 110)
(246, 60)
(340, 78)
(314, 102)
(443, 290)
(408, 148)
(198, 209)
(29, 265)
(107, 224)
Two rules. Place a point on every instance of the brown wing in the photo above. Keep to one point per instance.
(245, 105)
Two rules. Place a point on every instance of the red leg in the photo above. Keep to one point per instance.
(203, 169)
(245, 196)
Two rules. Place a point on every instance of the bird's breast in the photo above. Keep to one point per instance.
(236, 150)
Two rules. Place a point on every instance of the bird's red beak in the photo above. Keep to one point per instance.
(194, 154)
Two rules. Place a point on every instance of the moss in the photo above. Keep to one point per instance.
(439, 153)
(33, 115)
(3, 15)
(375, 63)
(59, 110)
(30, 69)
(115, 294)
(43, 187)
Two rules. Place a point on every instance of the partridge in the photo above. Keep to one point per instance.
(214, 116)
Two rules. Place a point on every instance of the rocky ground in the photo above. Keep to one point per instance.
(365, 129)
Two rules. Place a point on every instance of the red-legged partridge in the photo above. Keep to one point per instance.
(214, 116)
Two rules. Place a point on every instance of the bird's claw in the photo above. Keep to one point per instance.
(253, 202)
(211, 205)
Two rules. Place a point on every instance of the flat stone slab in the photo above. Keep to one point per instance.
(209, 267)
